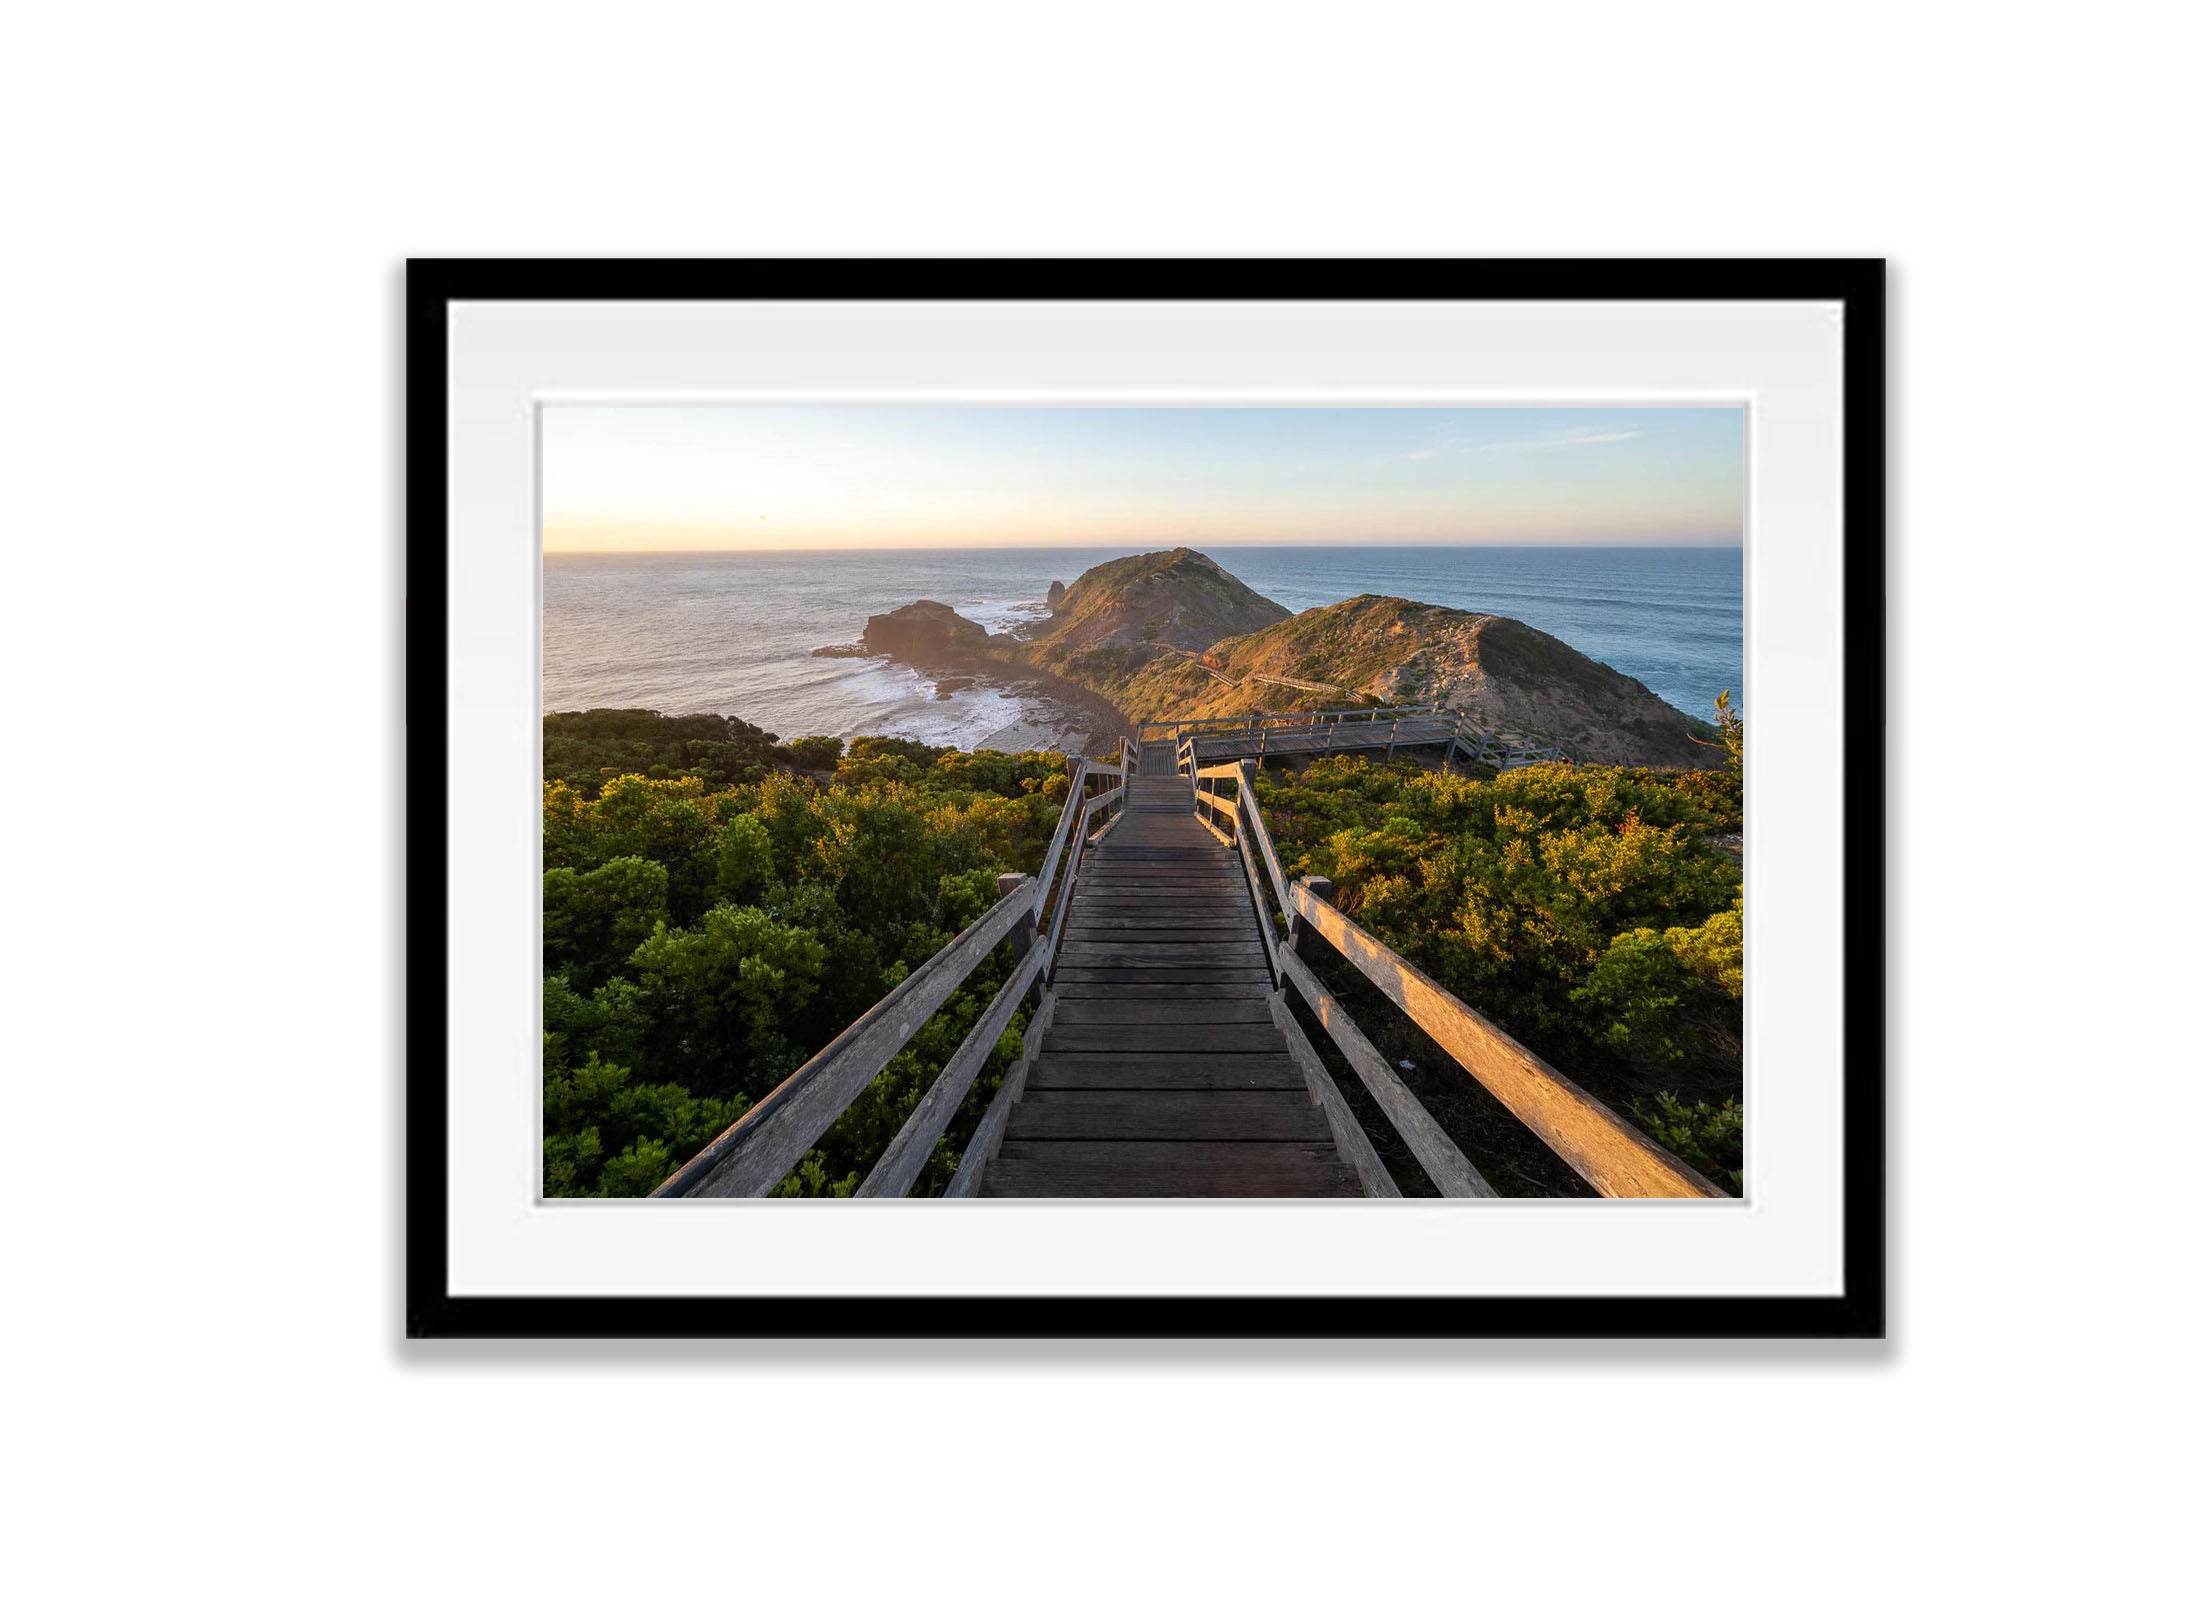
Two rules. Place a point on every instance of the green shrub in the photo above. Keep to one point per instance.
(1707, 1137)
(701, 941)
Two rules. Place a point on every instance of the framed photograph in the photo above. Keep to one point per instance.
(1156, 798)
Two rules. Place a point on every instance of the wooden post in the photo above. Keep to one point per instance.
(1026, 927)
(1321, 889)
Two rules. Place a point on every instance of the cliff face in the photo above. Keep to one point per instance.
(924, 631)
(1505, 675)
(1124, 614)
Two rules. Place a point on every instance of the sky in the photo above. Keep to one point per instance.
(733, 477)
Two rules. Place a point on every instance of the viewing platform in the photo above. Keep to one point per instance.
(1381, 730)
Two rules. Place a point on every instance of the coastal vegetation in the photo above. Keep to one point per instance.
(584, 748)
(1593, 912)
(705, 935)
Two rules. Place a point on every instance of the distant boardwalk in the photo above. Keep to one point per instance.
(1385, 729)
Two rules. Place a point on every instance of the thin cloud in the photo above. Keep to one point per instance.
(1565, 439)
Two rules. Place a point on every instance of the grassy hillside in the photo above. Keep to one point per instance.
(1507, 676)
(1122, 615)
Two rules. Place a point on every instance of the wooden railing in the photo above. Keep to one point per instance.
(1419, 725)
(1251, 720)
(750, 1158)
(1609, 1153)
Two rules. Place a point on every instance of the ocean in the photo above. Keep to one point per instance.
(733, 632)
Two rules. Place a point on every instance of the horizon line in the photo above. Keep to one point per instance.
(1149, 545)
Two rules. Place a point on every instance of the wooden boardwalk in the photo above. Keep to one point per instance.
(1352, 736)
(1161, 1060)
(1164, 1072)
(1259, 736)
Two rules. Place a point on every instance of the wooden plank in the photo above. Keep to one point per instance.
(1150, 1011)
(1587, 1135)
(1152, 1069)
(1222, 942)
(1352, 1141)
(1207, 932)
(1222, 1114)
(985, 1139)
(1072, 804)
(1160, 867)
(1168, 1169)
(1278, 882)
(1446, 1165)
(1261, 918)
(1069, 986)
(1128, 852)
(1067, 891)
(1160, 957)
(748, 1159)
(1208, 859)
(1131, 1031)
(1158, 876)
(1157, 889)
(1178, 912)
(891, 1176)
(1255, 972)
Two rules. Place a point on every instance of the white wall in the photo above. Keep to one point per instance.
(208, 209)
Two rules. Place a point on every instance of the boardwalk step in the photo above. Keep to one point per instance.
(1068, 986)
(1162, 1073)
(1205, 932)
(1235, 1115)
(1172, 1011)
(1253, 975)
(1089, 957)
(1133, 1032)
(1168, 1169)
(1154, 1069)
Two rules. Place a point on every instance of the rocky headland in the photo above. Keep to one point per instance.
(1171, 634)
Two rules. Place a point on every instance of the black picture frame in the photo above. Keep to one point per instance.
(432, 286)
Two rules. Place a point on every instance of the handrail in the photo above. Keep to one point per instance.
(1446, 1164)
(748, 1159)
(1615, 1158)
(894, 1173)
(1606, 1151)
(1245, 718)
(1070, 804)
(1277, 881)
(1450, 727)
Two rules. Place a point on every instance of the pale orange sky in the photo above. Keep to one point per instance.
(842, 477)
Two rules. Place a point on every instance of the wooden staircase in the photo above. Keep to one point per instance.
(1164, 1073)
(1160, 1059)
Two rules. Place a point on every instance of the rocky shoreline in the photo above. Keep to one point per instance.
(931, 638)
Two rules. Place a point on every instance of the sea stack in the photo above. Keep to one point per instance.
(924, 631)
(1057, 592)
